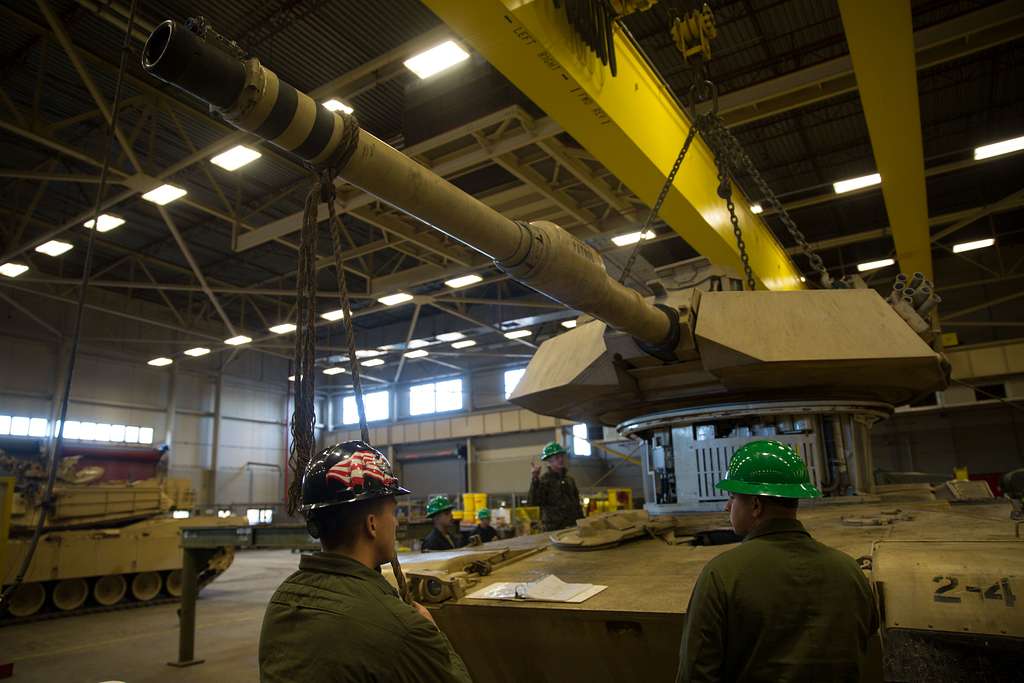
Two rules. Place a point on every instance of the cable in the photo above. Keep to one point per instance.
(51, 477)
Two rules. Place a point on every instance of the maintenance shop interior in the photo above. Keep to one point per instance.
(511, 340)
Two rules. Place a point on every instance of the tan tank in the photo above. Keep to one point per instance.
(692, 372)
(105, 544)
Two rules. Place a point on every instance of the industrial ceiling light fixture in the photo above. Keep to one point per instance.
(283, 328)
(337, 105)
(336, 314)
(395, 299)
(236, 157)
(971, 246)
(464, 344)
(107, 222)
(436, 59)
(632, 238)
(856, 183)
(756, 209)
(518, 334)
(450, 336)
(372, 363)
(464, 281)
(875, 265)
(159, 362)
(197, 351)
(12, 269)
(418, 353)
(569, 324)
(368, 353)
(165, 194)
(54, 248)
(417, 343)
(238, 340)
(333, 371)
(999, 148)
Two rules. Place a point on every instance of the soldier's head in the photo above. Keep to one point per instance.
(348, 497)
(765, 480)
(555, 456)
(439, 510)
(483, 516)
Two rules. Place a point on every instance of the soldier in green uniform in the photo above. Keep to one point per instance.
(337, 618)
(439, 510)
(484, 530)
(780, 606)
(555, 491)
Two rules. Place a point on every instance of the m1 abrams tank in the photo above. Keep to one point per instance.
(105, 544)
(693, 372)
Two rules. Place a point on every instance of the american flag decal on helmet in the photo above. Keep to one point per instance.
(357, 468)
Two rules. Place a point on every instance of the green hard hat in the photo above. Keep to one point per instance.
(483, 513)
(768, 468)
(438, 504)
(553, 448)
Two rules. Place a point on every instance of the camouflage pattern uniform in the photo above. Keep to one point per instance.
(558, 498)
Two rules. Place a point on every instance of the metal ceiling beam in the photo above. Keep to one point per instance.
(983, 29)
(626, 122)
(881, 40)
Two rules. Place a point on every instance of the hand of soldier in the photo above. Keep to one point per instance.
(534, 469)
(424, 612)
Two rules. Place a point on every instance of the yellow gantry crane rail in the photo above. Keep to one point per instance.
(629, 123)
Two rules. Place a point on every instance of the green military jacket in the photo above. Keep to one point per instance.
(779, 607)
(337, 620)
(558, 498)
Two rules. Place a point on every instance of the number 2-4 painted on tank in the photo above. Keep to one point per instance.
(949, 585)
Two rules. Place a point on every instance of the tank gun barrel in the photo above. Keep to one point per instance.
(540, 254)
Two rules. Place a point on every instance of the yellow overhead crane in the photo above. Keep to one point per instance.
(630, 122)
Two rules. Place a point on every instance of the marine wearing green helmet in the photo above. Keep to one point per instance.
(438, 504)
(441, 537)
(552, 449)
(483, 513)
(733, 630)
(484, 530)
(555, 491)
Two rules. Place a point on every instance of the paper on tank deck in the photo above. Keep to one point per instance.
(548, 589)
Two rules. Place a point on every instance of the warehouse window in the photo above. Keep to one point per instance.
(437, 397)
(75, 430)
(377, 406)
(512, 378)
(580, 440)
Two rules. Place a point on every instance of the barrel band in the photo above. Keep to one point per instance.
(281, 114)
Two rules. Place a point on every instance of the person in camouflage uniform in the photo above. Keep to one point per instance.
(337, 618)
(555, 491)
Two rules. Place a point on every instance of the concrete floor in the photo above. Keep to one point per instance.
(135, 645)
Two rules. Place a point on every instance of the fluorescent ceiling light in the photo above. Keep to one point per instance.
(368, 353)
(336, 314)
(291, 378)
(450, 336)
(395, 299)
(875, 265)
(160, 362)
(333, 371)
(464, 344)
(756, 209)
(998, 148)
(54, 248)
(337, 105)
(283, 328)
(518, 334)
(463, 281)
(632, 238)
(107, 222)
(856, 183)
(569, 324)
(373, 362)
(436, 59)
(165, 194)
(197, 351)
(13, 269)
(417, 343)
(418, 353)
(970, 246)
(236, 157)
(236, 341)
(803, 279)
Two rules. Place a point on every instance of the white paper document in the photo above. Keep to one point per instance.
(548, 589)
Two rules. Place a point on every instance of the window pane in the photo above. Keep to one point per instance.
(580, 442)
(19, 426)
(145, 435)
(37, 426)
(378, 406)
(421, 399)
(5, 424)
(103, 432)
(512, 378)
(266, 515)
(349, 416)
(254, 515)
(449, 395)
(72, 428)
(131, 434)
(87, 431)
(117, 433)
